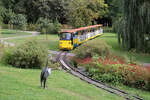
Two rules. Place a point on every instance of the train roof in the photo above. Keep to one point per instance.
(79, 29)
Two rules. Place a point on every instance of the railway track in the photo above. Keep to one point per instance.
(62, 59)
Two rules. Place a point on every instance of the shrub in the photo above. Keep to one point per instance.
(136, 76)
(104, 73)
(27, 55)
(107, 78)
(57, 26)
(1, 49)
(131, 75)
(51, 28)
(43, 23)
(32, 27)
(92, 48)
(54, 65)
(74, 62)
(43, 31)
(54, 28)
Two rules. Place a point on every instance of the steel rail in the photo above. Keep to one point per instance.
(62, 59)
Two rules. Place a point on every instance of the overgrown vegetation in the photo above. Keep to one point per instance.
(27, 55)
(92, 48)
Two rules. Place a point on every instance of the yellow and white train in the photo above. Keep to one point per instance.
(72, 38)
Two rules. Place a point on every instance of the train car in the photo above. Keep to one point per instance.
(70, 39)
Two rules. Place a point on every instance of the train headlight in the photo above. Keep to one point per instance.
(69, 42)
(60, 42)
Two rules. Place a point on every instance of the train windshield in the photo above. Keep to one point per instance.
(65, 36)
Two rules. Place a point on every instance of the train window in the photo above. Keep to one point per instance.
(92, 30)
(99, 28)
(76, 33)
(82, 32)
(65, 36)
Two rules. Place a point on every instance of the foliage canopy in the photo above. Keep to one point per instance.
(134, 31)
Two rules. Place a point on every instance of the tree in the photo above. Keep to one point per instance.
(81, 17)
(62, 10)
(1, 14)
(53, 9)
(48, 27)
(99, 8)
(2, 9)
(8, 4)
(43, 23)
(135, 31)
(85, 12)
(35, 9)
(57, 26)
(115, 8)
(19, 20)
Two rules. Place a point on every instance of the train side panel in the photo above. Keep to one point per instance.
(88, 36)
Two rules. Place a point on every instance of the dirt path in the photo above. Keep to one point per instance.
(2, 40)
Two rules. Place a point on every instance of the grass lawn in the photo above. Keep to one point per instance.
(144, 94)
(52, 41)
(24, 84)
(12, 33)
(111, 39)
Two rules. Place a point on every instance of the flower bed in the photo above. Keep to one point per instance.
(113, 69)
(101, 64)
